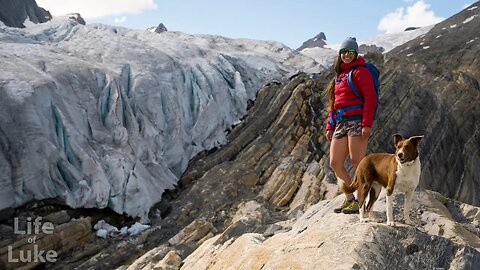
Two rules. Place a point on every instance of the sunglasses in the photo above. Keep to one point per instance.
(348, 51)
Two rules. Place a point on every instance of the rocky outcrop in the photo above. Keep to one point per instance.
(154, 259)
(253, 165)
(321, 239)
(364, 49)
(14, 12)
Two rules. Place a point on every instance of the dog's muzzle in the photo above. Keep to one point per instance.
(401, 157)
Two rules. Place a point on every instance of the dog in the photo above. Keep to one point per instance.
(399, 172)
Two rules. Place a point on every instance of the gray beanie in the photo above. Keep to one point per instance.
(349, 43)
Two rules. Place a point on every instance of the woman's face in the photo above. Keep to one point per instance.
(348, 55)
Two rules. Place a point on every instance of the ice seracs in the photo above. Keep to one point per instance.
(102, 116)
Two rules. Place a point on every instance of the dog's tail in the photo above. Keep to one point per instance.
(348, 189)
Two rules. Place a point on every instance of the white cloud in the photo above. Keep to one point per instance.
(417, 15)
(120, 20)
(90, 9)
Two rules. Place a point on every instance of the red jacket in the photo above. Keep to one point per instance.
(344, 96)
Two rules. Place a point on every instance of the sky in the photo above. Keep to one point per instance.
(289, 22)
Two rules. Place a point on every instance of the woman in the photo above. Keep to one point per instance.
(350, 119)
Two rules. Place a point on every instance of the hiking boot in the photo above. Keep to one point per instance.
(352, 208)
(344, 204)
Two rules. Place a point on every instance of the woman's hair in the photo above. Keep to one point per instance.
(331, 86)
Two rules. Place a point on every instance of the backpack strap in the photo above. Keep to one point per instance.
(352, 85)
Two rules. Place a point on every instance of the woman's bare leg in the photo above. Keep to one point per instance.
(357, 147)
(338, 154)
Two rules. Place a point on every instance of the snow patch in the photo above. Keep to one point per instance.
(453, 26)
(438, 36)
(469, 19)
(410, 54)
(472, 8)
(137, 228)
(426, 47)
(105, 230)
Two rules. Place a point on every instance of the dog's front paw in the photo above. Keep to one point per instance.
(363, 220)
(391, 223)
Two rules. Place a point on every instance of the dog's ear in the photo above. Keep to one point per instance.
(416, 139)
(397, 138)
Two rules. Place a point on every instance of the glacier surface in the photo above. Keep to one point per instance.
(102, 116)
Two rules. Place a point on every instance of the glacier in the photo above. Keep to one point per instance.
(100, 116)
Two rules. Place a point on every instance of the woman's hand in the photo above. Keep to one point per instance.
(366, 132)
(329, 135)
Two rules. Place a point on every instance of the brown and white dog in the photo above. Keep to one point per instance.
(399, 172)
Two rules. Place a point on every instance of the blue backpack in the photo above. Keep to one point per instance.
(376, 83)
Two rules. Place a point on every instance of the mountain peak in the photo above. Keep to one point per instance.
(320, 36)
(317, 41)
(159, 29)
